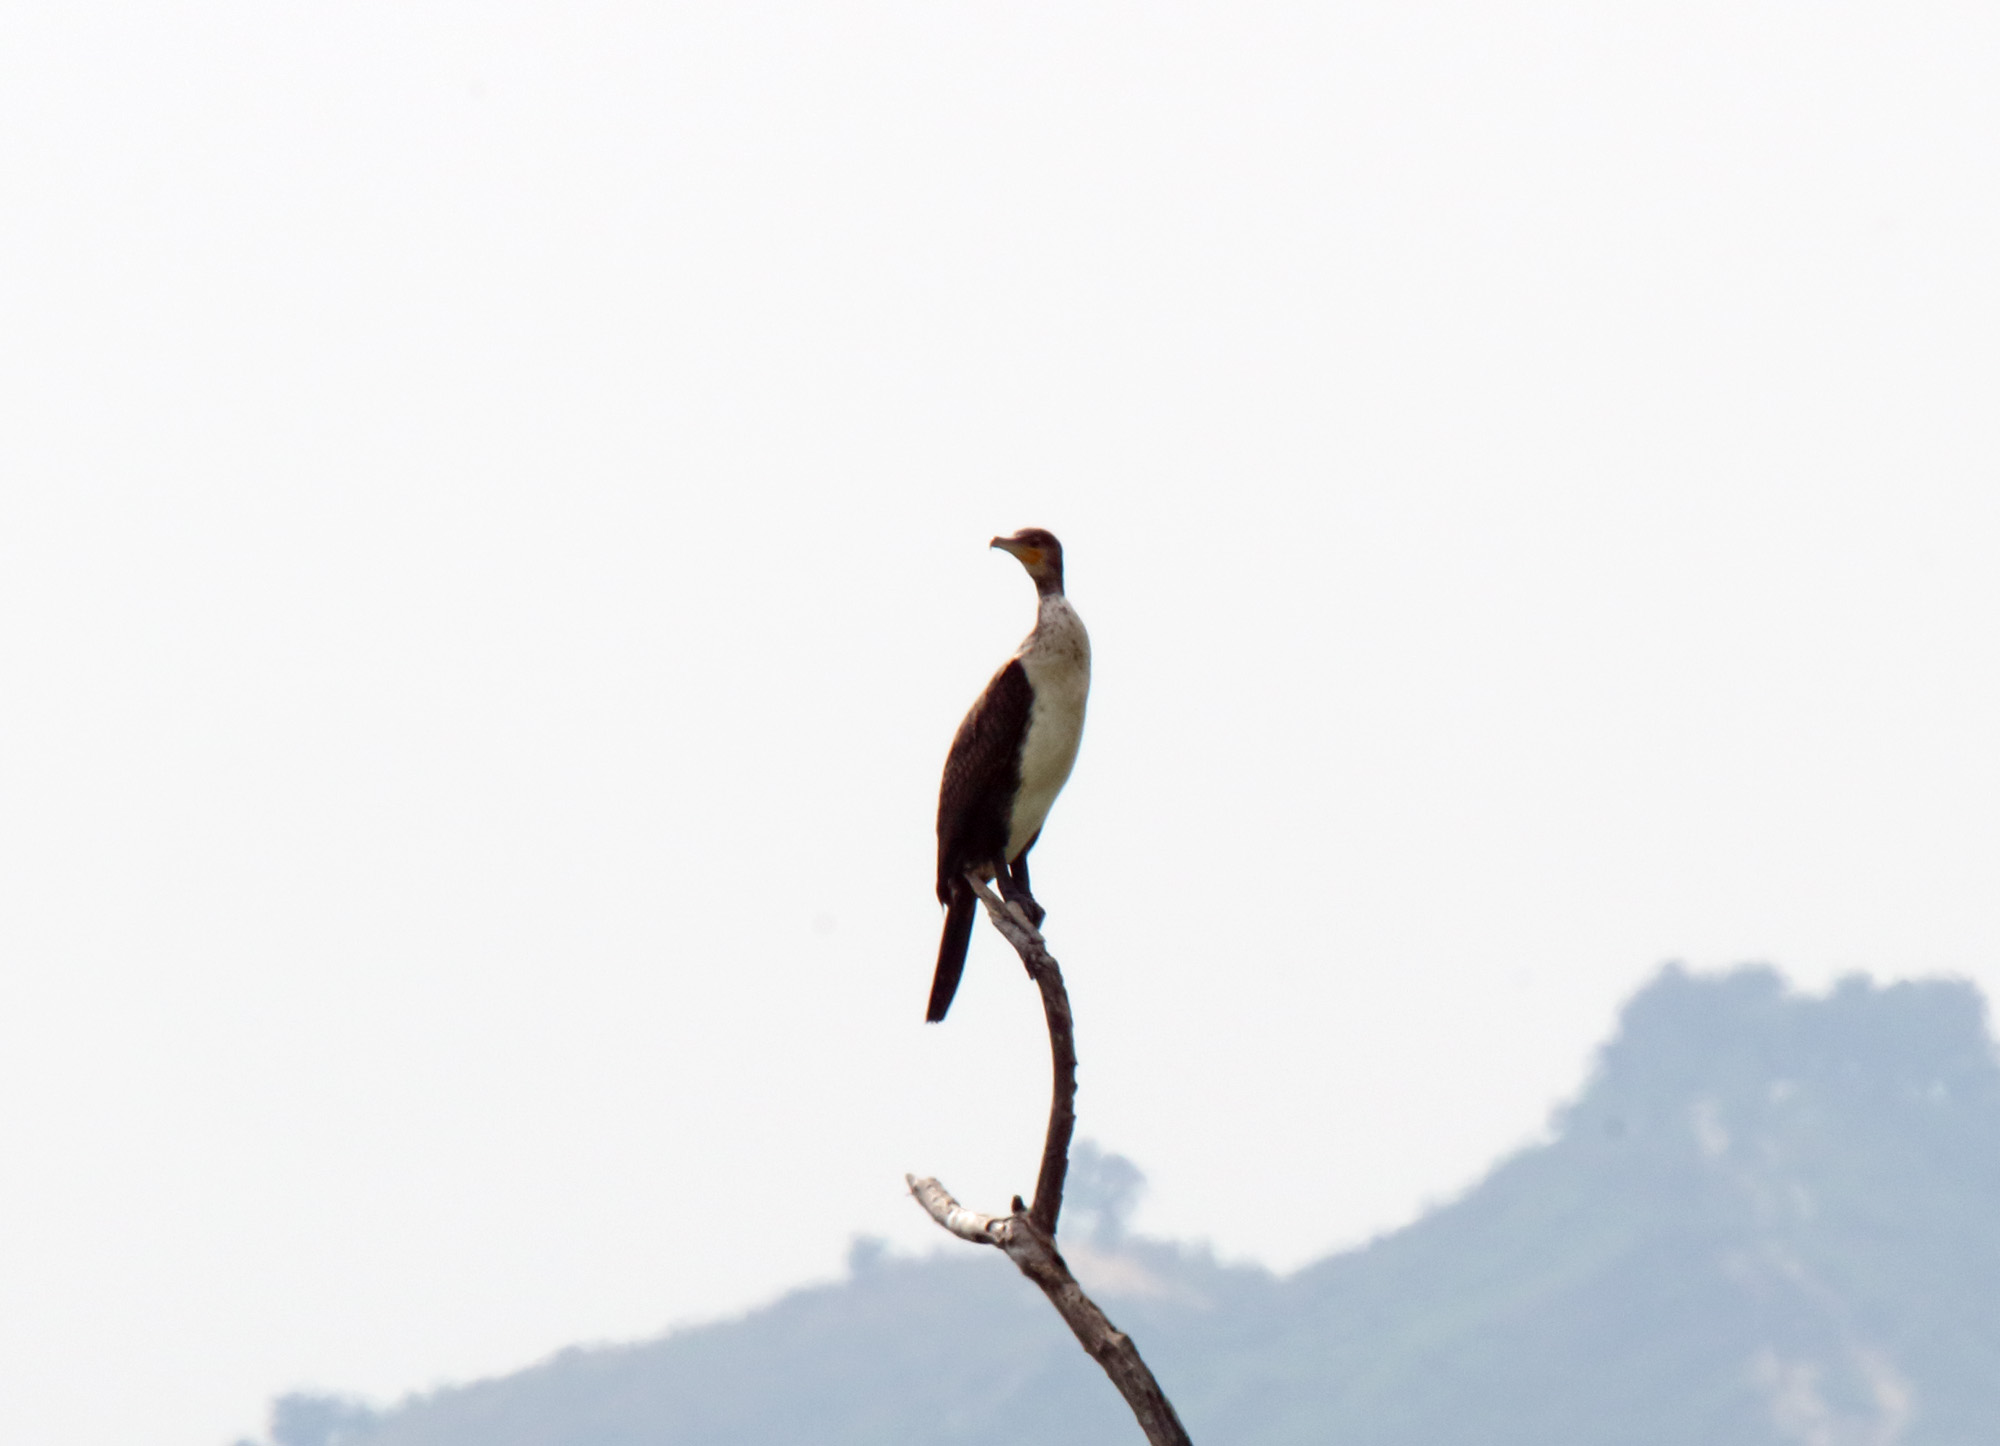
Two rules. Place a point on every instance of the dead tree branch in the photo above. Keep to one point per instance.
(1027, 1235)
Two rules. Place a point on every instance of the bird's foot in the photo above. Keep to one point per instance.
(1022, 908)
(1019, 909)
(1015, 892)
(1021, 904)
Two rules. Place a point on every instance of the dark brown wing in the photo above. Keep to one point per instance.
(981, 775)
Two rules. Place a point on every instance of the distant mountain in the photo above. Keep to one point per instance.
(1771, 1220)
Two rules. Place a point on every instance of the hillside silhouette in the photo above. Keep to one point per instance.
(1770, 1219)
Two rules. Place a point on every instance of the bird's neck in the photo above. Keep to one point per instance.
(1054, 619)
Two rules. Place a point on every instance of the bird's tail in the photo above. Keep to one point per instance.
(958, 917)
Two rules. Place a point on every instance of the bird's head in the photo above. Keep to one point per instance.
(1040, 553)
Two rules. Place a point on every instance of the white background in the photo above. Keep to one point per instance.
(493, 551)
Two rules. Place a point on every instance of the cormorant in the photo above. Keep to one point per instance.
(1009, 760)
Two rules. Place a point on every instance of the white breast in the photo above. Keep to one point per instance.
(1056, 658)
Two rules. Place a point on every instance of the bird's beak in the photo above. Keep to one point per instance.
(1031, 557)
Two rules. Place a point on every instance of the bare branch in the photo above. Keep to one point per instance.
(1027, 1235)
(1047, 974)
(965, 1224)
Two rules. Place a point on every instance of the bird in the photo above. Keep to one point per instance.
(1008, 761)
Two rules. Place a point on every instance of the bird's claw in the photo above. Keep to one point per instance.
(1021, 906)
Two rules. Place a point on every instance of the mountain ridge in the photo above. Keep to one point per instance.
(1768, 1219)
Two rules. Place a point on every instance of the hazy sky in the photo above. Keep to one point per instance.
(493, 553)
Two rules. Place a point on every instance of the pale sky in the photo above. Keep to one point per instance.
(494, 549)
